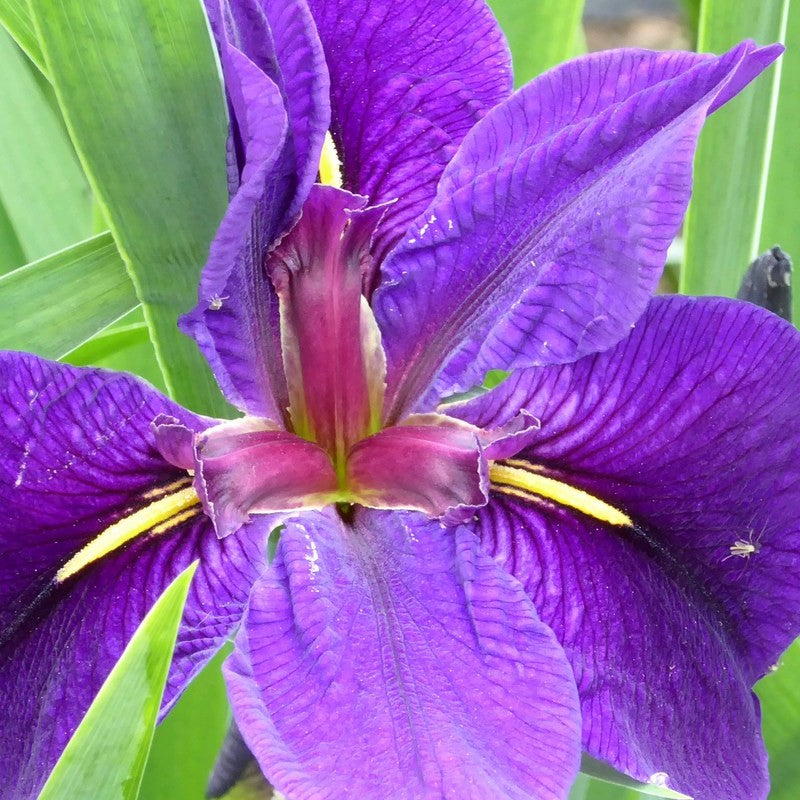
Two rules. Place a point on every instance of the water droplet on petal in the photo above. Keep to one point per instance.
(659, 779)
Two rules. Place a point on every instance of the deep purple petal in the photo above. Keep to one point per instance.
(280, 39)
(77, 453)
(235, 320)
(663, 693)
(550, 226)
(277, 86)
(408, 80)
(690, 427)
(394, 659)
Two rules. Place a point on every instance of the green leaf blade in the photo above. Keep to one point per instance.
(106, 756)
(190, 736)
(42, 188)
(781, 208)
(15, 16)
(540, 34)
(138, 83)
(723, 225)
(124, 346)
(89, 278)
(779, 693)
(11, 255)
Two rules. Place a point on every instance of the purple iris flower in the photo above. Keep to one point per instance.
(597, 555)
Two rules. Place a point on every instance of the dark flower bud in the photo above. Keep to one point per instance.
(768, 283)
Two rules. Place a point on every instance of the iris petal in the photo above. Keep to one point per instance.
(77, 456)
(277, 86)
(394, 659)
(664, 693)
(689, 427)
(435, 68)
(551, 224)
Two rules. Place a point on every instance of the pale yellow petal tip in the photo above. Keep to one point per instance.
(330, 168)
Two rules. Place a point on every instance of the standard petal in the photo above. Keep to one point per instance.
(235, 322)
(392, 658)
(277, 86)
(689, 426)
(408, 81)
(550, 226)
(77, 456)
(280, 39)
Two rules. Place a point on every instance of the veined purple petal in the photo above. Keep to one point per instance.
(394, 659)
(235, 321)
(277, 86)
(77, 454)
(408, 80)
(248, 466)
(688, 426)
(663, 693)
(280, 39)
(550, 226)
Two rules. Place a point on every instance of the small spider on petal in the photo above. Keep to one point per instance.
(466, 593)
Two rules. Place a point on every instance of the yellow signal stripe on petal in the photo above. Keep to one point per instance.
(330, 168)
(513, 479)
(158, 516)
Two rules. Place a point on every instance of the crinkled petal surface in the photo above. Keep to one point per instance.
(663, 693)
(235, 320)
(551, 224)
(408, 81)
(76, 455)
(392, 658)
(277, 86)
(690, 427)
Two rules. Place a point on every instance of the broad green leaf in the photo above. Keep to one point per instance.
(780, 703)
(619, 785)
(540, 34)
(782, 209)
(580, 788)
(600, 790)
(187, 742)
(42, 187)
(723, 226)
(11, 255)
(15, 16)
(139, 87)
(106, 756)
(55, 304)
(124, 346)
(691, 9)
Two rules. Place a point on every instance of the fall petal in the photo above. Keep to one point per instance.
(394, 659)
